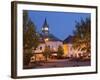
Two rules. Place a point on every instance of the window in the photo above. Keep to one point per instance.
(48, 46)
(40, 48)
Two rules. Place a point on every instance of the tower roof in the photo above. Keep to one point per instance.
(45, 28)
(45, 24)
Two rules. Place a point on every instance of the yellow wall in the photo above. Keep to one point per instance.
(65, 47)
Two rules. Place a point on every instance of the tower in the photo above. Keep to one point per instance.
(45, 28)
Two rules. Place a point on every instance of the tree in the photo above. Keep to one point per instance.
(82, 35)
(60, 52)
(25, 20)
(30, 38)
(46, 52)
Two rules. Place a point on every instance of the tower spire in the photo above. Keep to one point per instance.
(45, 27)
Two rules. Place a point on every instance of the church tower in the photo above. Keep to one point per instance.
(45, 28)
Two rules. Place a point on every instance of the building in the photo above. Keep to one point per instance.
(70, 51)
(68, 46)
(47, 39)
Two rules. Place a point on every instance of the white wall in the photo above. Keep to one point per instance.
(51, 44)
(5, 41)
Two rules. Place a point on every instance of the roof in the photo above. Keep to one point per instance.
(69, 39)
(51, 37)
(45, 23)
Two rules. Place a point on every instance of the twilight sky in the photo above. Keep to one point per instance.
(61, 24)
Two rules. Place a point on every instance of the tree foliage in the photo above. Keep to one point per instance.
(30, 37)
(82, 34)
(46, 52)
(60, 52)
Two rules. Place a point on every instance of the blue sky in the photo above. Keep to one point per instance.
(61, 24)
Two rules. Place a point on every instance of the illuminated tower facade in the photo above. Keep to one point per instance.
(45, 28)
